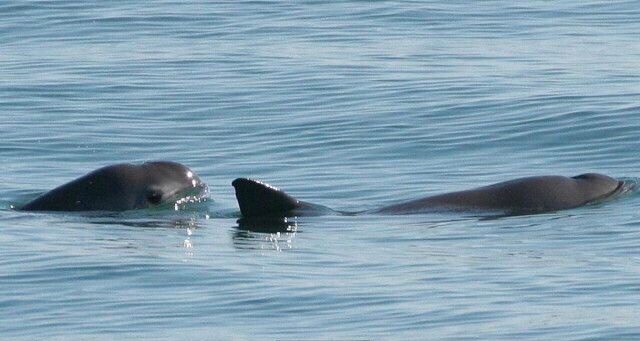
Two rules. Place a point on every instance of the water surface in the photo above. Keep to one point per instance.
(349, 104)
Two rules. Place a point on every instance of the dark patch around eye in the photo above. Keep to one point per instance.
(154, 198)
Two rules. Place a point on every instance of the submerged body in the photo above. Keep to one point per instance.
(525, 195)
(531, 194)
(122, 187)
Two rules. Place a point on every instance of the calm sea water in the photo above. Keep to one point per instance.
(351, 104)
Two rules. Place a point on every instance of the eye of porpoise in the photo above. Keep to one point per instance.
(122, 187)
(535, 194)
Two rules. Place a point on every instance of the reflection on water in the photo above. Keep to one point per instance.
(189, 223)
(265, 233)
(268, 224)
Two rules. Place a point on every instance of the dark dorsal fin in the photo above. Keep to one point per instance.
(257, 199)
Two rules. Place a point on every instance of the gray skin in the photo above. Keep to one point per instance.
(122, 187)
(529, 195)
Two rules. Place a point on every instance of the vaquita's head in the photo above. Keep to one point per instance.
(122, 187)
(596, 186)
(168, 182)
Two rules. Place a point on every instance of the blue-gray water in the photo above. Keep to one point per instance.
(350, 104)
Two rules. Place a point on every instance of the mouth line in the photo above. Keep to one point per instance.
(619, 189)
(189, 194)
